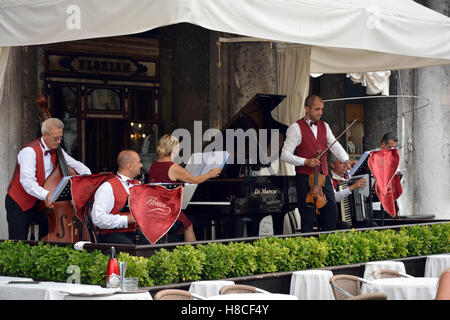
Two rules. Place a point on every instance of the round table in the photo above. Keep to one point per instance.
(372, 266)
(208, 288)
(436, 264)
(403, 288)
(311, 285)
(253, 296)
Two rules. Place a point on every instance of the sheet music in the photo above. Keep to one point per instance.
(199, 164)
(60, 188)
(360, 162)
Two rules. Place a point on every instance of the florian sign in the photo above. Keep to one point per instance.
(101, 66)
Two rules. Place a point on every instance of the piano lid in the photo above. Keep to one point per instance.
(256, 114)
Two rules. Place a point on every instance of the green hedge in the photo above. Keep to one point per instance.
(235, 259)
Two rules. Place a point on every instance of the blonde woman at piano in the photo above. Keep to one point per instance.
(338, 173)
(164, 170)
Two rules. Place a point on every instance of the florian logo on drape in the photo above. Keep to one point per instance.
(155, 209)
(384, 164)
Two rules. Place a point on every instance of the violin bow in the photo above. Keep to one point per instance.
(346, 129)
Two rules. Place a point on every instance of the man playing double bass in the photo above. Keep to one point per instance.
(304, 139)
(35, 162)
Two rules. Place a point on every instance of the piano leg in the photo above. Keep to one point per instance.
(278, 221)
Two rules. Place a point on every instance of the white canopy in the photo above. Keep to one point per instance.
(345, 35)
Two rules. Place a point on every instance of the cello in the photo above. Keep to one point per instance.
(62, 218)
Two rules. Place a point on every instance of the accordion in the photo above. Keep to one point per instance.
(354, 208)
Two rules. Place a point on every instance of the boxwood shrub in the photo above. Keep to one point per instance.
(220, 261)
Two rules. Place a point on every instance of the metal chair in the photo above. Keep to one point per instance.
(388, 273)
(370, 296)
(346, 286)
(240, 288)
(92, 229)
(176, 294)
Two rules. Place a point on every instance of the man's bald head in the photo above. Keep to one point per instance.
(125, 157)
(129, 163)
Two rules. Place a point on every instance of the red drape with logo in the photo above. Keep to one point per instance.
(83, 189)
(384, 164)
(155, 209)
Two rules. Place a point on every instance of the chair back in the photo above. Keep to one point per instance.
(387, 273)
(344, 286)
(370, 296)
(239, 288)
(92, 229)
(173, 294)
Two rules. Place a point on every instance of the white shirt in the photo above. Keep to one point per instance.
(103, 204)
(27, 161)
(294, 138)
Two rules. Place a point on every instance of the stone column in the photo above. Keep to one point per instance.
(431, 140)
(19, 122)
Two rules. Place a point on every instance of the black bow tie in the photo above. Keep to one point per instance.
(313, 123)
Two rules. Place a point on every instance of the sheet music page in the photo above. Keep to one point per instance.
(201, 163)
(360, 162)
(59, 188)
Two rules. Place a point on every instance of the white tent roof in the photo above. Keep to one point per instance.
(345, 35)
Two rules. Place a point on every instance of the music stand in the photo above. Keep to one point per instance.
(360, 168)
(63, 191)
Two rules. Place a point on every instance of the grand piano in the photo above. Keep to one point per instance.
(221, 207)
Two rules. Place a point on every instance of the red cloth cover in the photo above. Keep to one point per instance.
(84, 187)
(384, 164)
(155, 209)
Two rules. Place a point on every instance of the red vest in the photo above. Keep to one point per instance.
(15, 188)
(310, 145)
(120, 198)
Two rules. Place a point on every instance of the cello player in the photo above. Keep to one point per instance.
(303, 139)
(35, 162)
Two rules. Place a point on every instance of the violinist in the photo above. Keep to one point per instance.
(35, 162)
(304, 139)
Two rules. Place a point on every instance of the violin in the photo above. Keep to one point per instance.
(62, 217)
(316, 198)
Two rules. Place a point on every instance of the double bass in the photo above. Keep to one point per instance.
(62, 218)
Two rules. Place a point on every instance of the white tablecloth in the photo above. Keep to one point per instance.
(62, 291)
(4, 279)
(208, 288)
(372, 266)
(253, 296)
(403, 288)
(436, 264)
(311, 285)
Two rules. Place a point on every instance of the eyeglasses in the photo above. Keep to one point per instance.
(56, 139)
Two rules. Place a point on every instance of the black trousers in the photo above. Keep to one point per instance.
(137, 238)
(326, 220)
(19, 221)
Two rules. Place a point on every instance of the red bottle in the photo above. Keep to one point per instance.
(112, 271)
